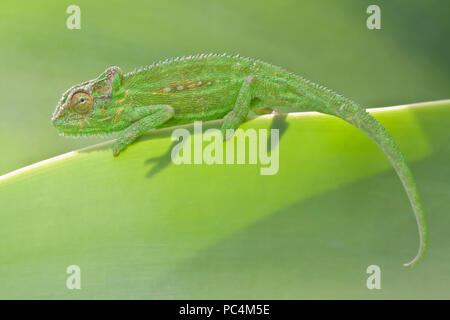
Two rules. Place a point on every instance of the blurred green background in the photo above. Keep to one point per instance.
(326, 41)
(141, 228)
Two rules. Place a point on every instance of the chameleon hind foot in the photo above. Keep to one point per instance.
(235, 117)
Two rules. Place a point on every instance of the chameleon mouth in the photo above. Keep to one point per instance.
(77, 128)
(74, 129)
(75, 132)
(83, 134)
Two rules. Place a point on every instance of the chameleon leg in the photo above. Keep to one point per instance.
(241, 108)
(157, 115)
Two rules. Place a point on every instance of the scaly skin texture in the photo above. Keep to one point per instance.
(207, 87)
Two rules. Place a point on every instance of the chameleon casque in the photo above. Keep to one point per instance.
(207, 87)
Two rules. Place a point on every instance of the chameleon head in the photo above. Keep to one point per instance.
(84, 108)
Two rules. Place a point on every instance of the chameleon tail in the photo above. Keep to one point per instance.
(361, 119)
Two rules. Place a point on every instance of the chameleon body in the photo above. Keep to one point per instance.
(206, 87)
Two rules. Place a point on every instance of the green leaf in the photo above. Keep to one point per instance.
(140, 226)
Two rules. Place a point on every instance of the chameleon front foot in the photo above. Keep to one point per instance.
(124, 140)
(158, 114)
(116, 150)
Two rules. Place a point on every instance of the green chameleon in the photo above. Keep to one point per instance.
(206, 87)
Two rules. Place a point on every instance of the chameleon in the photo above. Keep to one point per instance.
(213, 86)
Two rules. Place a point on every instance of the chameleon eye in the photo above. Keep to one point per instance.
(81, 103)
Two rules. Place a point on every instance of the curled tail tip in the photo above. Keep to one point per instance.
(416, 259)
(423, 237)
(410, 264)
